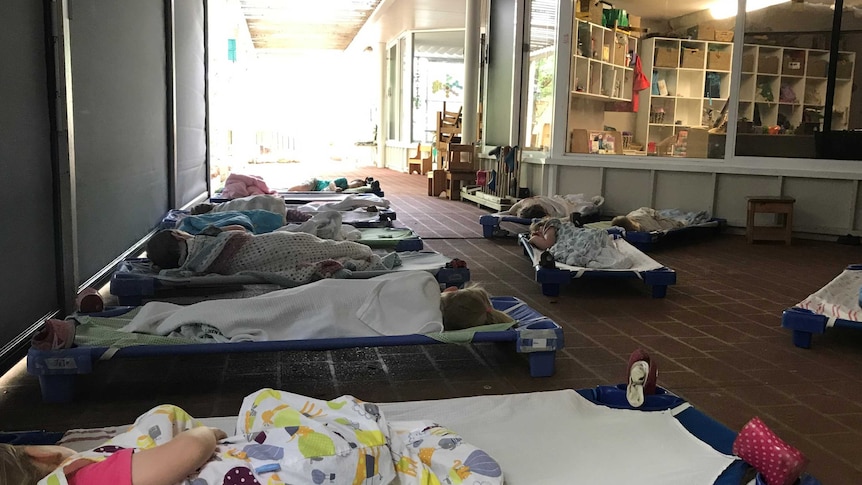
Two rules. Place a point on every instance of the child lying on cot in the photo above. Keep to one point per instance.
(279, 438)
(647, 219)
(398, 303)
(540, 206)
(577, 246)
(339, 184)
(296, 257)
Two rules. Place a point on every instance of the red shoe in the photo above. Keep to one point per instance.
(641, 375)
(778, 462)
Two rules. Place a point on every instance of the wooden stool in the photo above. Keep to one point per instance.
(781, 206)
(436, 182)
(453, 183)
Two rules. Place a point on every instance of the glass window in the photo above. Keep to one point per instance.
(438, 79)
(665, 94)
(783, 98)
(540, 74)
(392, 103)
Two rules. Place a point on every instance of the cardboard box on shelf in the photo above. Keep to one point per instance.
(700, 143)
(620, 53)
(596, 141)
(634, 21)
(705, 32)
(666, 56)
(793, 65)
(767, 64)
(748, 63)
(817, 68)
(724, 35)
(718, 60)
(693, 58)
(589, 11)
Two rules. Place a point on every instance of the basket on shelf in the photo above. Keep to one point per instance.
(628, 138)
(656, 117)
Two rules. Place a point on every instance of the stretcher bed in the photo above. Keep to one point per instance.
(551, 437)
(552, 275)
(643, 240)
(649, 240)
(303, 197)
(835, 305)
(533, 334)
(135, 280)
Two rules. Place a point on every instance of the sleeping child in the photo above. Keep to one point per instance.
(647, 219)
(339, 184)
(559, 206)
(398, 303)
(284, 258)
(577, 246)
(279, 438)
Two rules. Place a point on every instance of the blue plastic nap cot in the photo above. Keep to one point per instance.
(304, 197)
(534, 334)
(135, 280)
(643, 240)
(363, 219)
(552, 275)
(837, 304)
(549, 427)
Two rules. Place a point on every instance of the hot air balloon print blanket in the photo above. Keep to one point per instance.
(284, 438)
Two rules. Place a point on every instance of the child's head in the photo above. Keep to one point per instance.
(538, 225)
(167, 248)
(626, 223)
(26, 465)
(534, 211)
(468, 307)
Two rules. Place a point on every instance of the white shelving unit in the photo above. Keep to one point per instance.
(691, 84)
(789, 83)
(601, 62)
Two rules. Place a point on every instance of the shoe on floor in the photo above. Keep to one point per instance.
(641, 376)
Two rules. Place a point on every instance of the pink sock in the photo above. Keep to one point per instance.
(778, 462)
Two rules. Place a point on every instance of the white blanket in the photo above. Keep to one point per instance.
(401, 303)
(640, 261)
(838, 299)
(350, 202)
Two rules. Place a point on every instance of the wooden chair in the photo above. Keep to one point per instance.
(460, 165)
(421, 162)
(448, 131)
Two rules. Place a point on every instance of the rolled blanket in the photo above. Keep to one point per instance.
(239, 185)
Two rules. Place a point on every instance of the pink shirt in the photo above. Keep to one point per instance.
(116, 470)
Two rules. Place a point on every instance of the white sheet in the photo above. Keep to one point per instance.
(838, 299)
(640, 261)
(552, 438)
(328, 308)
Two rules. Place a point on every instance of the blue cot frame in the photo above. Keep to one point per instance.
(696, 422)
(534, 334)
(552, 278)
(805, 323)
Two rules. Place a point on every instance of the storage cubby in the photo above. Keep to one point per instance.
(787, 85)
(601, 62)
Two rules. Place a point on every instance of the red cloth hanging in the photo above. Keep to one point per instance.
(639, 83)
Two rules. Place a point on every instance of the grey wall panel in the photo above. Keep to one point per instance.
(626, 190)
(190, 54)
(501, 40)
(816, 201)
(28, 285)
(120, 116)
(687, 191)
(732, 190)
(580, 180)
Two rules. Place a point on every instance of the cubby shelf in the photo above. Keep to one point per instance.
(601, 62)
(788, 85)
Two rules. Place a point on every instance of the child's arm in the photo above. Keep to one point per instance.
(333, 188)
(173, 461)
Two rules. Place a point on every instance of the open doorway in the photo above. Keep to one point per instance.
(285, 113)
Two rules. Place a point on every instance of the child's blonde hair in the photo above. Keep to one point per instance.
(626, 223)
(16, 466)
(469, 307)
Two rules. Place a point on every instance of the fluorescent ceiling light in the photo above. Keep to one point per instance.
(727, 8)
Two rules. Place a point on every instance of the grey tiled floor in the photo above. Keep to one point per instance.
(716, 337)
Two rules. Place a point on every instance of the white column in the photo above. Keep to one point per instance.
(472, 26)
(382, 116)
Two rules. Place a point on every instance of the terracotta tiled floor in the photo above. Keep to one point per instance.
(716, 337)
